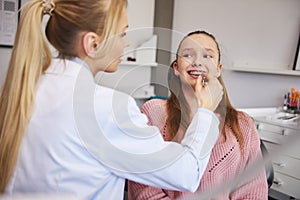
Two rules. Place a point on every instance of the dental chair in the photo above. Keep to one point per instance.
(268, 165)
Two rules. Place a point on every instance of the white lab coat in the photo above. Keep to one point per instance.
(84, 139)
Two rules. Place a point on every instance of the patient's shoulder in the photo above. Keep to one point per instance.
(154, 105)
(156, 111)
(245, 119)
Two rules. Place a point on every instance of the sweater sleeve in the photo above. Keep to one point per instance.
(254, 186)
(156, 112)
(137, 191)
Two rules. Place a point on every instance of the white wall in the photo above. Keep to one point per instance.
(140, 17)
(251, 33)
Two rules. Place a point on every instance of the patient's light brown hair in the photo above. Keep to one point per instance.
(179, 112)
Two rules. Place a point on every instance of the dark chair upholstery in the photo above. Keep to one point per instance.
(268, 165)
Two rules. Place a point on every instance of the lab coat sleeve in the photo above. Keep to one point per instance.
(131, 149)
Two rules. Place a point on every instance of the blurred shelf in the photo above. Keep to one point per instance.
(128, 63)
(257, 112)
(286, 72)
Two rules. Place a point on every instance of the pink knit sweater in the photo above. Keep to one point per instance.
(227, 162)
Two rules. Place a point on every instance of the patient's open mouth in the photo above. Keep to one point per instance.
(195, 73)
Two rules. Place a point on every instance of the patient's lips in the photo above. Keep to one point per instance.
(195, 73)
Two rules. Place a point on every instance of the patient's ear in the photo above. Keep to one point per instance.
(90, 43)
(175, 68)
(219, 70)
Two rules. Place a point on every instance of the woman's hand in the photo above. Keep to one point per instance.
(209, 92)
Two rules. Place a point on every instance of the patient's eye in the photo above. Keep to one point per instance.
(187, 55)
(207, 56)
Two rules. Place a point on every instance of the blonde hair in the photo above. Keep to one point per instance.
(26, 66)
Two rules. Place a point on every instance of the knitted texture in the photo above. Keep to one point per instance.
(227, 163)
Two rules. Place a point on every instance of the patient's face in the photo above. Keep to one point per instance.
(197, 55)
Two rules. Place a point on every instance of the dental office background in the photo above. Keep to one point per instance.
(258, 41)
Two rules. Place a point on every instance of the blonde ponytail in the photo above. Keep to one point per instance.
(30, 58)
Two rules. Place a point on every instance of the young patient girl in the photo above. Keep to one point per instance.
(238, 145)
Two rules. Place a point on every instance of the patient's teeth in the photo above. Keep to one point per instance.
(197, 73)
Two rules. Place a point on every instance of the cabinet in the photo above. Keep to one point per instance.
(286, 72)
(282, 140)
(131, 78)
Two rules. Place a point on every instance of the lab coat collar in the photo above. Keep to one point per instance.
(67, 67)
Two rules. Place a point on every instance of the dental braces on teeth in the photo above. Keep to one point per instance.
(204, 81)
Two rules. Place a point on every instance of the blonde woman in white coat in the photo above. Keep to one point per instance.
(60, 133)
